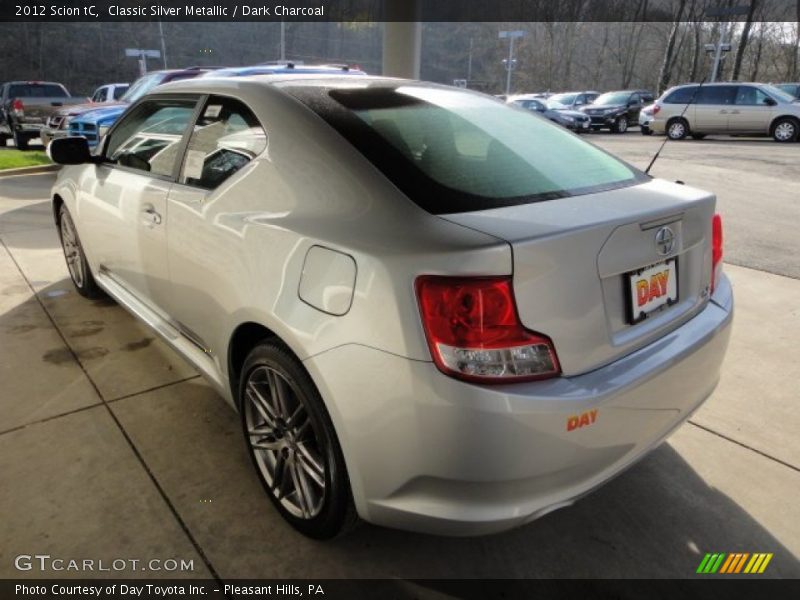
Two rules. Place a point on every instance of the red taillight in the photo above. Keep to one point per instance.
(716, 251)
(474, 332)
(656, 109)
(18, 107)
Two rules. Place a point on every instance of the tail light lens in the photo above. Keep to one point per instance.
(716, 251)
(18, 107)
(656, 109)
(474, 332)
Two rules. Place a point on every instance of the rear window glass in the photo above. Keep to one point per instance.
(36, 90)
(454, 151)
(119, 91)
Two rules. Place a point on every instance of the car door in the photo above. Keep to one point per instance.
(713, 106)
(206, 220)
(752, 111)
(634, 107)
(122, 207)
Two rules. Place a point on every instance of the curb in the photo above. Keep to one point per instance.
(35, 170)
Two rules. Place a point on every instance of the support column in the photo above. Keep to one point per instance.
(402, 40)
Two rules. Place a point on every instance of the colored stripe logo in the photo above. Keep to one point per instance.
(733, 563)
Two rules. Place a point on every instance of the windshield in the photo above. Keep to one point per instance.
(453, 151)
(779, 94)
(561, 100)
(613, 98)
(141, 86)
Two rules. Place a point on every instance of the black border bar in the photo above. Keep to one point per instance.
(711, 587)
(382, 10)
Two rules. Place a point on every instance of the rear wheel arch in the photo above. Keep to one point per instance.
(674, 120)
(58, 201)
(244, 338)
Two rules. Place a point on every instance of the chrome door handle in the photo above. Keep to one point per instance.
(734, 112)
(723, 112)
(151, 217)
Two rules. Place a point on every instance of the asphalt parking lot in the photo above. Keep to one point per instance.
(112, 447)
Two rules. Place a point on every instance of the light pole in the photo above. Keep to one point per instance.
(163, 43)
(142, 55)
(721, 47)
(510, 62)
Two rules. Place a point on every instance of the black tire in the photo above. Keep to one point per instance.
(677, 129)
(645, 130)
(21, 140)
(620, 125)
(75, 257)
(698, 136)
(3, 140)
(334, 513)
(785, 130)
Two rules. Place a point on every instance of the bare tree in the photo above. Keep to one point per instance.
(666, 65)
(743, 39)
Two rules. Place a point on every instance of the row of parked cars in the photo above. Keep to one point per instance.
(588, 110)
(46, 110)
(691, 110)
(31, 109)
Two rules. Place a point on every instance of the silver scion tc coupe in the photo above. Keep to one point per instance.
(433, 311)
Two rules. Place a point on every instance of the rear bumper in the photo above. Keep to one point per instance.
(429, 453)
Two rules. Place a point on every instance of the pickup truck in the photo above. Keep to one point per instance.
(25, 107)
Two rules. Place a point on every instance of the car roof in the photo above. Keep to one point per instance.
(209, 84)
(283, 69)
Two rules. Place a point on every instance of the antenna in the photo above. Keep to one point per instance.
(666, 137)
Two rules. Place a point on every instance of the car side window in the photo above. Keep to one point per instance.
(750, 96)
(98, 96)
(681, 95)
(717, 94)
(635, 99)
(225, 138)
(148, 138)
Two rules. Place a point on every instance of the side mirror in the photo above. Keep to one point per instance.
(770, 101)
(69, 151)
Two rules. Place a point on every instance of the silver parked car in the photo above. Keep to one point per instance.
(727, 108)
(432, 310)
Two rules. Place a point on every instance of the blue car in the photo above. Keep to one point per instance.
(94, 124)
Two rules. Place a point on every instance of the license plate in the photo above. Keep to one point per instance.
(651, 288)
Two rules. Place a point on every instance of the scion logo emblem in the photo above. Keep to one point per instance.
(665, 241)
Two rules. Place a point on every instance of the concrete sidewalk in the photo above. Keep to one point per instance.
(112, 447)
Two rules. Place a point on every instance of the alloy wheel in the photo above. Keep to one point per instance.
(72, 250)
(284, 442)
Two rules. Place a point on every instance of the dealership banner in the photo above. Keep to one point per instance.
(381, 10)
(399, 589)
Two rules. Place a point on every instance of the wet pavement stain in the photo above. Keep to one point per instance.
(94, 352)
(143, 343)
(58, 356)
(17, 329)
(88, 328)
